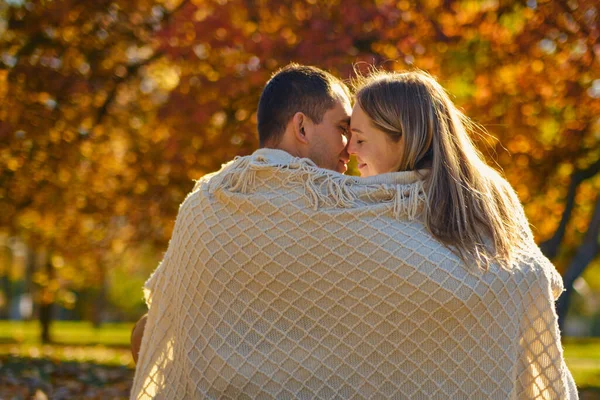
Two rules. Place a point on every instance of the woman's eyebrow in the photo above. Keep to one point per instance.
(356, 130)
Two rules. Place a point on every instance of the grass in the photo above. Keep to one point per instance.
(73, 341)
(109, 345)
(67, 332)
(583, 359)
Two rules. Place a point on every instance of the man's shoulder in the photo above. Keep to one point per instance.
(204, 181)
(211, 179)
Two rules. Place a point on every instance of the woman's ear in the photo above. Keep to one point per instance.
(302, 127)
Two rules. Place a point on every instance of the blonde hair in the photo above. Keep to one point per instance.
(470, 207)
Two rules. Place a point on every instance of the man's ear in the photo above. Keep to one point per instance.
(302, 127)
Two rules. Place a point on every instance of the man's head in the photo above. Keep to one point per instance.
(306, 112)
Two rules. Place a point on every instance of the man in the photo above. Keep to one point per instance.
(304, 111)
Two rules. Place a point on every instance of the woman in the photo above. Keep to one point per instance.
(406, 122)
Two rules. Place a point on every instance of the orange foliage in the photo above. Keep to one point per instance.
(109, 110)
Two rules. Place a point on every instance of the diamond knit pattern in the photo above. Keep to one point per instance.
(263, 295)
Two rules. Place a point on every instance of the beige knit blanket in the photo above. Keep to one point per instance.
(283, 280)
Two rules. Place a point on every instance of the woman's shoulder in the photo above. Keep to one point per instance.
(539, 271)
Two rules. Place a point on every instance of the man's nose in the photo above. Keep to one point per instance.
(344, 155)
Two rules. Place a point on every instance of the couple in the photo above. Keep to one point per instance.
(418, 280)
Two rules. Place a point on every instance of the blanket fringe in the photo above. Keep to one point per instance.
(322, 188)
(408, 198)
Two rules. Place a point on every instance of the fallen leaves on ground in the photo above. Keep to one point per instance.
(42, 378)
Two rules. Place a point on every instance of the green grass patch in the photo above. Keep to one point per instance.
(583, 359)
(99, 354)
(67, 333)
(72, 342)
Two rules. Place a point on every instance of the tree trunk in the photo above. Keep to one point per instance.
(6, 284)
(46, 301)
(550, 246)
(29, 287)
(46, 322)
(100, 300)
(585, 254)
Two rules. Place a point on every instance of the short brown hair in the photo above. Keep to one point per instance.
(294, 88)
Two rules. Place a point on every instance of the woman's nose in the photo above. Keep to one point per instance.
(350, 147)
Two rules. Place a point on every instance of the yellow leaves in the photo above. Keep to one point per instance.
(80, 202)
(403, 5)
(218, 119)
(432, 4)
(461, 87)
(448, 24)
(530, 112)
(29, 219)
(99, 97)
(537, 66)
(519, 144)
(140, 186)
(586, 195)
(189, 32)
(131, 158)
(68, 135)
(68, 299)
(565, 170)
(387, 50)
(69, 33)
(202, 12)
(14, 163)
(515, 21)
(545, 90)
(194, 174)
(522, 161)
(197, 142)
(249, 28)
(549, 131)
(118, 246)
(3, 83)
(64, 176)
(41, 278)
(482, 90)
(288, 35)
(190, 158)
(241, 114)
(507, 78)
(57, 261)
(121, 206)
(85, 149)
(160, 134)
(163, 75)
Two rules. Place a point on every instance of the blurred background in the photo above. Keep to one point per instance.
(109, 109)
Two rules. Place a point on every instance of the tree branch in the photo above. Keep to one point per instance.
(550, 246)
(567, 10)
(588, 249)
(131, 70)
(586, 252)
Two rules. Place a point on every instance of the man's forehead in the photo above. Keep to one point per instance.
(342, 96)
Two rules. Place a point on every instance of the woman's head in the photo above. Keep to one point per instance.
(375, 150)
(406, 121)
(394, 121)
